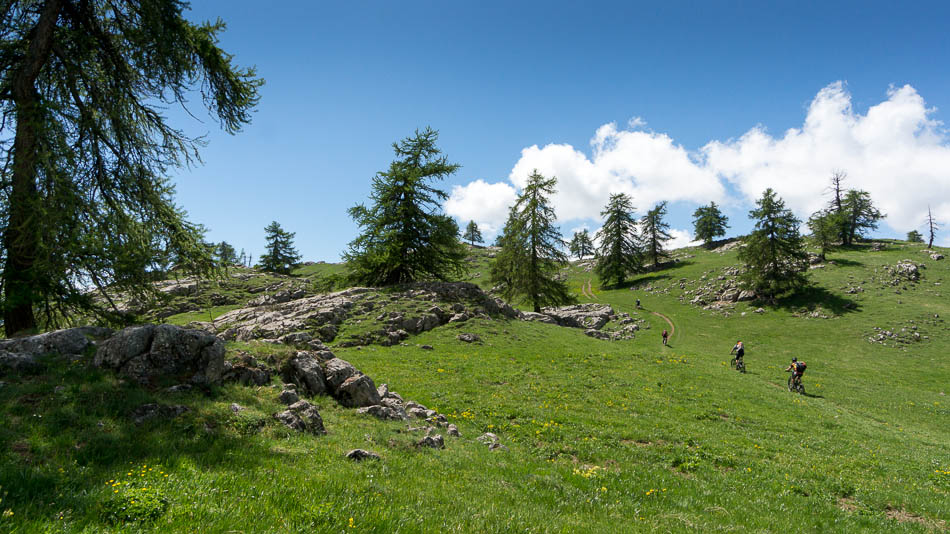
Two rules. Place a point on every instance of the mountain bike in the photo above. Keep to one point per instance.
(795, 384)
(738, 364)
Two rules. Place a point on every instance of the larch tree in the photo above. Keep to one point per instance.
(915, 237)
(619, 253)
(281, 256)
(531, 248)
(473, 234)
(824, 226)
(709, 223)
(85, 201)
(932, 227)
(581, 245)
(225, 253)
(654, 234)
(404, 236)
(859, 215)
(774, 255)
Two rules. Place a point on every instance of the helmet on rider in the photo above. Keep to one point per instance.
(794, 360)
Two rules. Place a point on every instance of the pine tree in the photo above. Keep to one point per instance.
(225, 254)
(915, 237)
(709, 223)
(825, 226)
(619, 253)
(84, 198)
(405, 237)
(859, 215)
(473, 234)
(774, 255)
(581, 245)
(531, 256)
(655, 235)
(281, 256)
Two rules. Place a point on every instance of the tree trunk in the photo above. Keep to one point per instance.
(21, 238)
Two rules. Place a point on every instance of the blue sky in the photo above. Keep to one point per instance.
(715, 87)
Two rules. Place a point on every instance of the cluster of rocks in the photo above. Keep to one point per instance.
(292, 317)
(909, 332)
(715, 291)
(903, 336)
(904, 271)
(934, 255)
(21, 354)
(598, 320)
(147, 352)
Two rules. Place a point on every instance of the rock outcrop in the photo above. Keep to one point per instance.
(20, 354)
(148, 352)
(302, 417)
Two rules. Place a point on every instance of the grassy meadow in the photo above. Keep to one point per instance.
(626, 436)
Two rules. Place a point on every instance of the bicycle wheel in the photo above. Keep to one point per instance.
(732, 363)
(791, 383)
(740, 366)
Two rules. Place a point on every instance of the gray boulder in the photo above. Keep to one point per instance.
(468, 337)
(339, 371)
(288, 397)
(302, 417)
(587, 316)
(537, 317)
(147, 412)
(357, 391)
(304, 370)
(383, 412)
(147, 352)
(358, 455)
(434, 442)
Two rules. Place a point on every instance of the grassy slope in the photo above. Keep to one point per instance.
(623, 436)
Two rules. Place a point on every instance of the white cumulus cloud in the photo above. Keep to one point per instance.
(895, 151)
(486, 204)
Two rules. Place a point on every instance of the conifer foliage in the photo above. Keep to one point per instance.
(619, 254)
(774, 253)
(531, 257)
(581, 245)
(281, 256)
(709, 223)
(655, 235)
(405, 237)
(473, 234)
(84, 202)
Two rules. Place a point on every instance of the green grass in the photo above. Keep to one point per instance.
(603, 436)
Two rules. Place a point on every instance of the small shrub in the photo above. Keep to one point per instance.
(137, 496)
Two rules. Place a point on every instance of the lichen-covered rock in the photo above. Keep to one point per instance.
(148, 352)
(302, 417)
(357, 391)
(146, 412)
(288, 397)
(380, 411)
(359, 455)
(468, 337)
(434, 442)
(339, 371)
(304, 370)
(587, 316)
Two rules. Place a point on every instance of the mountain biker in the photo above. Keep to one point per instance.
(739, 350)
(797, 368)
(666, 336)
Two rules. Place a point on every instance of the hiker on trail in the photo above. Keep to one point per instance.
(638, 304)
(666, 336)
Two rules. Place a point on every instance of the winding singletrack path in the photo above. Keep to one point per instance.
(587, 290)
(668, 321)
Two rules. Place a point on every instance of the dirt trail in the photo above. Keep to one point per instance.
(587, 290)
(668, 321)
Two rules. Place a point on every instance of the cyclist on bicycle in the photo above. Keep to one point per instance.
(797, 368)
(739, 350)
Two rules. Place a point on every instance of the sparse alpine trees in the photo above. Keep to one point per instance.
(654, 234)
(859, 215)
(709, 223)
(226, 254)
(619, 254)
(932, 227)
(581, 245)
(472, 234)
(774, 255)
(824, 226)
(915, 237)
(84, 198)
(531, 256)
(405, 236)
(281, 256)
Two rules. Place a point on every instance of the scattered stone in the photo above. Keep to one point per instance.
(288, 397)
(487, 438)
(936, 256)
(426, 347)
(357, 391)
(302, 417)
(453, 430)
(383, 412)
(435, 442)
(358, 455)
(497, 447)
(236, 408)
(146, 412)
(759, 310)
(468, 337)
(180, 388)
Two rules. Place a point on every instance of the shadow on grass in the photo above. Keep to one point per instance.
(812, 297)
(847, 263)
(68, 431)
